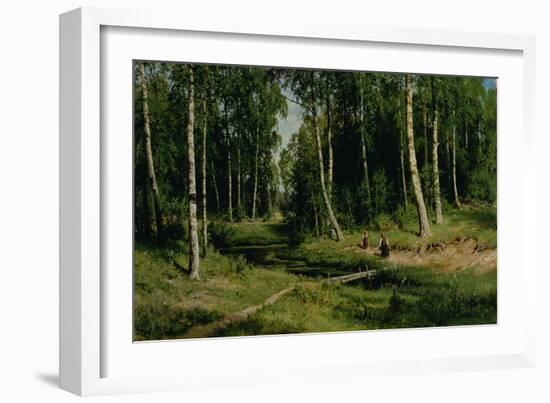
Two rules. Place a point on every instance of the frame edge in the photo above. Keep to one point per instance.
(70, 119)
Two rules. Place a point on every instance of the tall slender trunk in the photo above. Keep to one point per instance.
(435, 169)
(402, 162)
(194, 262)
(149, 154)
(417, 188)
(238, 178)
(204, 221)
(330, 212)
(229, 178)
(329, 143)
(425, 126)
(453, 147)
(364, 140)
(448, 159)
(229, 187)
(255, 192)
(215, 183)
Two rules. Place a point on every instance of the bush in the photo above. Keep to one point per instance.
(482, 185)
(385, 222)
(221, 234)
(239, 264)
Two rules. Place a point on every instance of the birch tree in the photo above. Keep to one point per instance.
(203, 166)
(435, 162)
(328, 206)
(453, 164)
(149, 153)
(363, 135)
(194, 262)
(424, 225)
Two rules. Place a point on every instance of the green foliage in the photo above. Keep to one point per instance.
(381, 192)
(240, 110)
(157, 319)
(396, 301)
(221, 233)
(482, 185)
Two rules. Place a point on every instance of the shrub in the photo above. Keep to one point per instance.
(221, 234)
(239, 264)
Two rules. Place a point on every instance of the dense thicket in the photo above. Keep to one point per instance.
(349, 164)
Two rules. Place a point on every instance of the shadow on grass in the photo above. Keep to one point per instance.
(486, 218)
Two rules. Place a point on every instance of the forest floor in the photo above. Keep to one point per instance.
(268, 287)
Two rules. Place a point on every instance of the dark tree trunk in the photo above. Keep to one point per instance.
(215, 183)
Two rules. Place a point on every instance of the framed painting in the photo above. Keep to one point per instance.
(239, 198)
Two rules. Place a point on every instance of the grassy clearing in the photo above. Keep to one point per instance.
(405, 298)
(167, 303)
(478, 222)
(246, 233)
(258, 233)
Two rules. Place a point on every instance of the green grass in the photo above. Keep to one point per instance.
(258, 233)
(410, 298)
(167, 304)
(478, 222)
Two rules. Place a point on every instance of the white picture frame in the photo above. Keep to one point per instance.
(90, 341)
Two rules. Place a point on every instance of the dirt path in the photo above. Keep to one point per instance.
(448, 257)
(207, 330)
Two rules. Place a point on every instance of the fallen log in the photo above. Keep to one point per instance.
(351, 277)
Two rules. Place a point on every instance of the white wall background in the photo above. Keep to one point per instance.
(29, 198)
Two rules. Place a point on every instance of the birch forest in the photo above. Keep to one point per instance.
(284, 181)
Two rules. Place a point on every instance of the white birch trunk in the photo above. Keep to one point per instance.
(435, 169)
(453, 147)
(415, 179)
(194, 262)
(364, 140)
(204, 220)
(255, 192)
(330, 212)
(149, 154)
